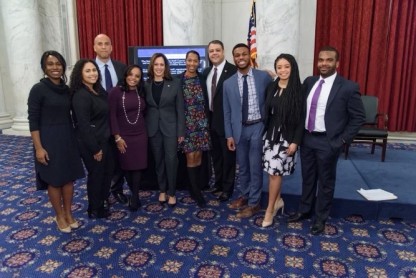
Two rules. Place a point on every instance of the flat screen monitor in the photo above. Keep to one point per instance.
(175, 54)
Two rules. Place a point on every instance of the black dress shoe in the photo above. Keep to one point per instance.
(213, 190)
(98, 213)
(297, 217)
(318, 228)
(201, 203)
(224, 197)
(120, 197)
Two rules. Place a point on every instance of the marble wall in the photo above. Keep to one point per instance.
(29, 27)
(282, 26)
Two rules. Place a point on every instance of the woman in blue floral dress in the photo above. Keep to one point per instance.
(197, 137)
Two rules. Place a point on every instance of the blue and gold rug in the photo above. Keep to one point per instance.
(185, 241)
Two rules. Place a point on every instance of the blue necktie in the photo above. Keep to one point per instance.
(314, 105)
(108, 82)
(245, 99)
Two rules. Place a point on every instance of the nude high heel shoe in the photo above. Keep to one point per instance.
(265, 223)
(279, 204)
(74, 225)
(65, 230)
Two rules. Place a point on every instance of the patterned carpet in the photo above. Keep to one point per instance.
(186, 241)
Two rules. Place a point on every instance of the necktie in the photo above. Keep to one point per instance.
(314, 104)
(245, 99)
(213, 87)
(108, 82)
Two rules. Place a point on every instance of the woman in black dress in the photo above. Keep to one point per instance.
(89, 102)
(284, 129)
(57, 160)
(127, 108)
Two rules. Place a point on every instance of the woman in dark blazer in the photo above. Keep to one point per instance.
(284, 128)
(89, 103)
(165, 121)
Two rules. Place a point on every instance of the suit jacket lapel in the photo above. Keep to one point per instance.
(334, 90)
(313, 81)
(222, 76)
(150, 97)
(165, 91)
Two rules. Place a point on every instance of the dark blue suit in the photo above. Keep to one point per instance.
(344, 115)
(223, 160)
(248, 139)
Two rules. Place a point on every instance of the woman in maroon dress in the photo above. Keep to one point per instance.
(127, 107)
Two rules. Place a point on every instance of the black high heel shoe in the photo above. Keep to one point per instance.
(98, 213)
(134, 206)
(171, 204)
(161, 201)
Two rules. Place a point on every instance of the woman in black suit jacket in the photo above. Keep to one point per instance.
(284, 128)
(165, 120)
(91, 111)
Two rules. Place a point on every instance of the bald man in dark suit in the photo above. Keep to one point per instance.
(103, 49)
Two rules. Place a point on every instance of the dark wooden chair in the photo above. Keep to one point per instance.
(374, 131)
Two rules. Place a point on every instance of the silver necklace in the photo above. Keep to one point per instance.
(124, 108)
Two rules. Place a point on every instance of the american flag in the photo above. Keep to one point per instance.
(251, 37)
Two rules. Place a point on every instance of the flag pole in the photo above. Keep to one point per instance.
(252, 35)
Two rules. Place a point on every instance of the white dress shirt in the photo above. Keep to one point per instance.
(322, 102)
(220, 68)
(112, 70)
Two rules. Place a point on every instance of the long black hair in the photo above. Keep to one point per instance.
(123, 83)
(76, 76)
(58, 56)
(290, 110)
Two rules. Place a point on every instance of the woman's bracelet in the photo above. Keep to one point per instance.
(118, 139)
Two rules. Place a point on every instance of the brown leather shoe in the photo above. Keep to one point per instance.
(248, 211)
(239, 203)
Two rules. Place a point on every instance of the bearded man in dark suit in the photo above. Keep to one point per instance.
(333, 115)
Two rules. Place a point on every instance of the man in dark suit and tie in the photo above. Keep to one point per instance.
(223, 159)
(333, 115)
(244, 97)
(111, 72)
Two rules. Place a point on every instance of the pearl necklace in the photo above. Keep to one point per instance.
(124, 108)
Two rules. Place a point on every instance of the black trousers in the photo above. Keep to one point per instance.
(99, 175)
(224, 162)
(319, 169)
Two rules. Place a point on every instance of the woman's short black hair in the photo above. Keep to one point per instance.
(58, 56)
(123, 82)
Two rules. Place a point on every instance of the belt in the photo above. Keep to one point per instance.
(316, 133)
(252, 122)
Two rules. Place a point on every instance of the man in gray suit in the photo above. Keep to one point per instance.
(111, 72)
(244, 97)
